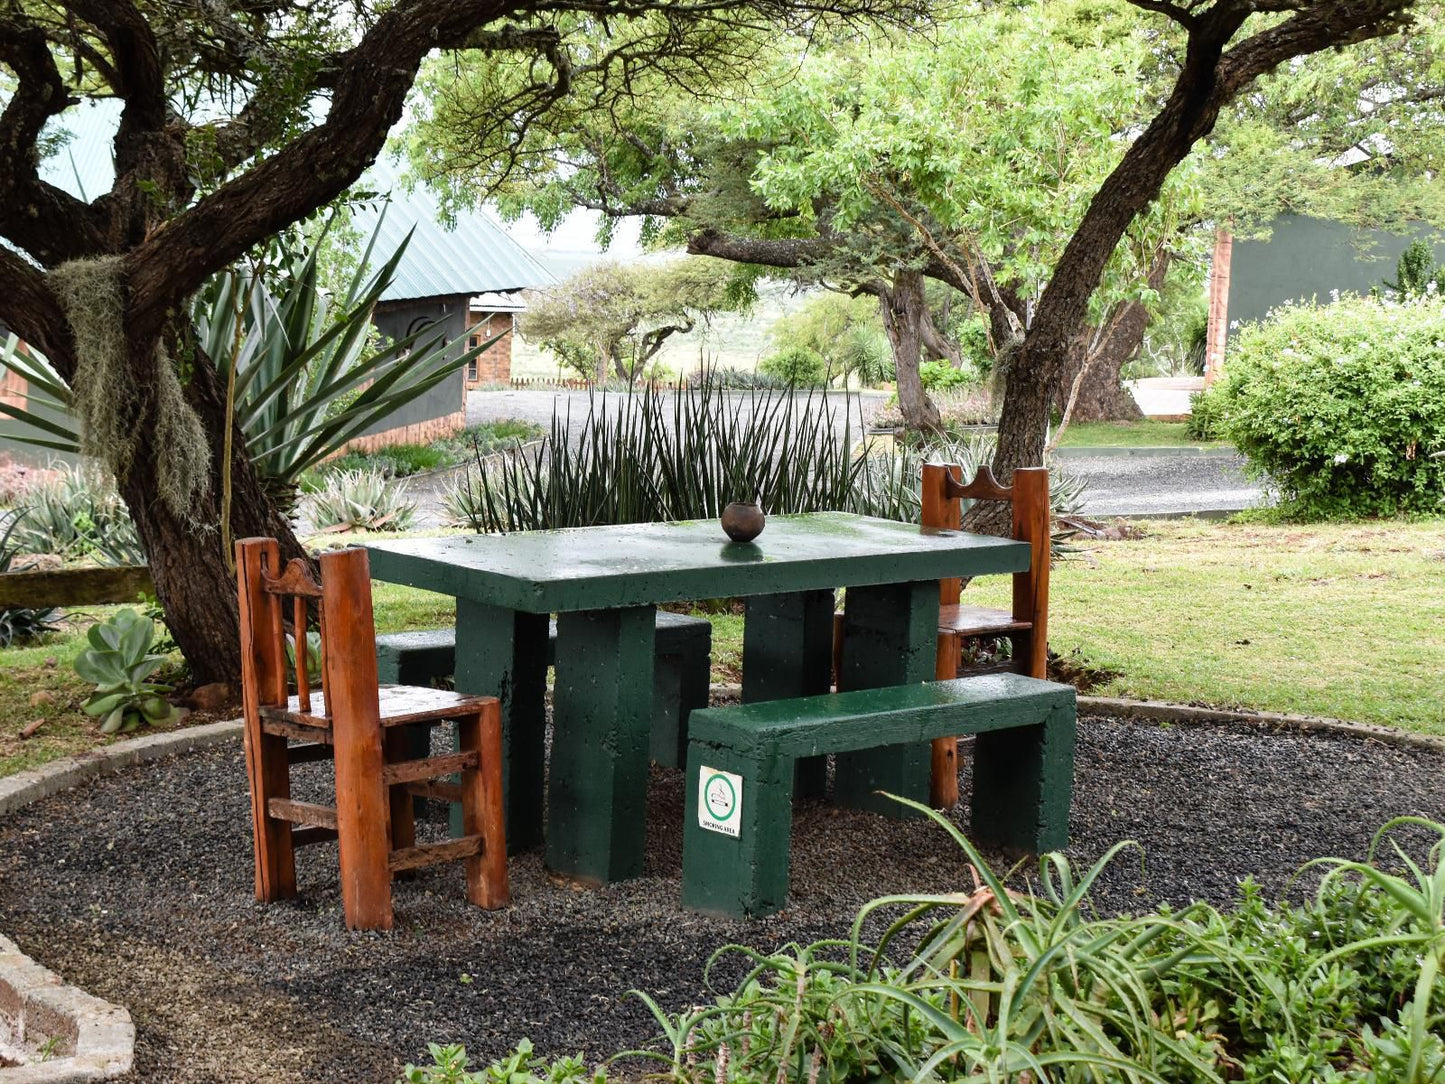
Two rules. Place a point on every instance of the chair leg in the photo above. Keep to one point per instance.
(269, 769)
(363, 824)
(482, 807)
(943, 776)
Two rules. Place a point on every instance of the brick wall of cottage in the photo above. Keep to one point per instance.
(493, 365)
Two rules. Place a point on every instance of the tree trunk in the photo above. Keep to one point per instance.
(1102, 396)
(904, 309)
(189, 560)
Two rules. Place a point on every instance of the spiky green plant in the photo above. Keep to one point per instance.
(360, 500)
(78, 514)
(307, 376)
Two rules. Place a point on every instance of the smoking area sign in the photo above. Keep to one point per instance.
(719, 801)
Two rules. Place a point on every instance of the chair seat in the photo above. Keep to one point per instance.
(979, 621)
(399, 704)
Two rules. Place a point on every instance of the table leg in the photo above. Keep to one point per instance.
(788, 653)
(601, 727)
(503, 653)
(890, 637)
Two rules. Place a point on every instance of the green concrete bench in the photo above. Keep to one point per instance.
(740, 773)
(679, 682)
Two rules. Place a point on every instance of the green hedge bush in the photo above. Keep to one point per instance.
(798, 365)
(1343, 406)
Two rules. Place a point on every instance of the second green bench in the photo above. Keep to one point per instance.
(679, 682)
(739, 786)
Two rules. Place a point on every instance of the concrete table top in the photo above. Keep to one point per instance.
(592, 568)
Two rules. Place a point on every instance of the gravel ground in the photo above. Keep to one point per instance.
(138, 889)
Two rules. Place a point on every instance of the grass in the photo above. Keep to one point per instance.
(1143, 434)
(1333, 620)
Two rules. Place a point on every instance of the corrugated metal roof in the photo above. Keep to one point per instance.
(476, 257)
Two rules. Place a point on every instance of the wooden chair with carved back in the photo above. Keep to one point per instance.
(1025, 625)
(360, 726)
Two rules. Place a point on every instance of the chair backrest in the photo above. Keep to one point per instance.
(342, 604)
(942, 495)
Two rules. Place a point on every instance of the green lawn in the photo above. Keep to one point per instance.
(1340, 621)
(1143, 434)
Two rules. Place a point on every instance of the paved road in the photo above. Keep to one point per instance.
(1153, 485)
(1118, 485)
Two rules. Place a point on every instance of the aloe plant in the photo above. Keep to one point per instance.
(120, 664)
(307, 376)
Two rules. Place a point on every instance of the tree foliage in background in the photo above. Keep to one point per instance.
(614, 318)
(238, 121)
(844, 331)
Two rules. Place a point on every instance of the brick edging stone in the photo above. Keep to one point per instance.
(97, 1039)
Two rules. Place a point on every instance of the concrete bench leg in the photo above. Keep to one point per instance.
(745, 876)
(890, 637)
(503, 653)
(597, 794)
(1023, 782)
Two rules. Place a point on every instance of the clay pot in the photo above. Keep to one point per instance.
(743, 521)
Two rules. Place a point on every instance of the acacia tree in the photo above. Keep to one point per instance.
(869, 166)
(221, 144)
(617, 317)
(1208, 53)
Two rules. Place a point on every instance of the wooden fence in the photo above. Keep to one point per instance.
(75, 586)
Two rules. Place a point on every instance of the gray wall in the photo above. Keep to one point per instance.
(1307, 258)
(396, 320)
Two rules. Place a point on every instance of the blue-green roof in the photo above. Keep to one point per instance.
(475, 257)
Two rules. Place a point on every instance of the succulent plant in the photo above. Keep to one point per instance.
(120, 664)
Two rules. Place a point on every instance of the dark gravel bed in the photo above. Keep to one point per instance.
(138, 889)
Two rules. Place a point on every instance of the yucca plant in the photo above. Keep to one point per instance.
(303, 372)
(650, 457)
(78, 513)
(360, 500)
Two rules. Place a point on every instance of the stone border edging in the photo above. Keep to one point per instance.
(98, 1037)
(1164, 712)
(1156, 451)
(22, 788)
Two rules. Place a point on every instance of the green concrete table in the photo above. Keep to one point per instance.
(604, 583)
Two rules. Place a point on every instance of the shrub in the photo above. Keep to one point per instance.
(722, 377)
(19, 624)
(78, 514)
(800, 366)
(120, 664)
(941, 375)
(360, 500)
(1343, 407)
(1206, 415)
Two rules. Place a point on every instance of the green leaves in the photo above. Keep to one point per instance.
(117, 663)
(1342, 406)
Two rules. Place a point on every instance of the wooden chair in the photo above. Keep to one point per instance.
(359, 725)
(1025, 625)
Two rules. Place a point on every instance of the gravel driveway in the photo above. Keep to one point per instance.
(138, 888)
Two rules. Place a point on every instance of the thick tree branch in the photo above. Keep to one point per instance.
(29, 309)
(50, 224)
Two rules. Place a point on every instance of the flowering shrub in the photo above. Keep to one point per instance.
(1343, 406)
